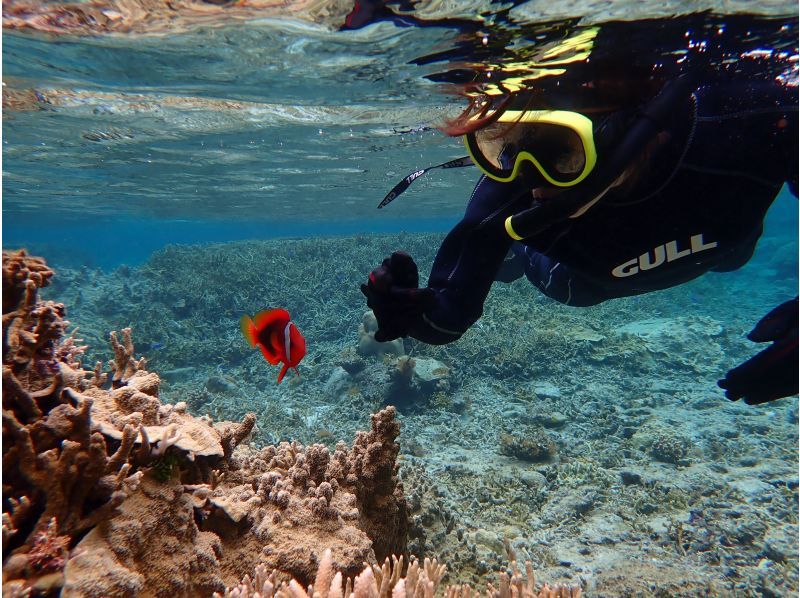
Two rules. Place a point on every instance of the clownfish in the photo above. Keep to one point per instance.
(276, 335)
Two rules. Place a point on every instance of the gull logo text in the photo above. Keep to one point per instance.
(663, 254)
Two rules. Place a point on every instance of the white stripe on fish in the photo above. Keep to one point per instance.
(287, 341)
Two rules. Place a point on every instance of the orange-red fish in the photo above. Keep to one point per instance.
(276, 335)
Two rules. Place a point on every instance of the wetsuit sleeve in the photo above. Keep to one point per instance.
(468, 261)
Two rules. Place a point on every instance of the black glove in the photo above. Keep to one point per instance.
(773, 373)
(394, 296)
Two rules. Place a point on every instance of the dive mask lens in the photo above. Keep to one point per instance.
(560, 145)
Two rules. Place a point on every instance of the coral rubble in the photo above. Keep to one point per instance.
(109, 492)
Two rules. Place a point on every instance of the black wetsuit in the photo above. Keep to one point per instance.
(699, 208)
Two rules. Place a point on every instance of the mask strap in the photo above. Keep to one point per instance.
(404, 184)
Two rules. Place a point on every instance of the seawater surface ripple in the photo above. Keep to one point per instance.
(264, 116)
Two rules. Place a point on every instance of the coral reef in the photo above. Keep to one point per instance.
(604, 513)
(145, 497)
(527, 445)
(153, 546)
(671, 449)
(419, 581)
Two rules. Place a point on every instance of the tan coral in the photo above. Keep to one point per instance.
(124, 365)
(372, 474)
(153, 543)
(18, 268)
(77, 453)
(309, 489)
(32, 334)
(383, 582)
(291, 514)
(65, 479)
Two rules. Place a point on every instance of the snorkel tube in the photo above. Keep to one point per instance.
(572, 203)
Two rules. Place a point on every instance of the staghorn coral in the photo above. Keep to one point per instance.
(54, 464)
(124, 365)
(32, 331)
(59, 477)
(18, 269)
(420, 581)
(78, 483)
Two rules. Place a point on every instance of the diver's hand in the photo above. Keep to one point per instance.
(773, 373)
(394, 296)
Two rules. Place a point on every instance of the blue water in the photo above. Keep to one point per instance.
(115, 144)
(106, 242)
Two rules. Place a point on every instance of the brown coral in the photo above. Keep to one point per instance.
(18, 269)
(124, 365)
(165, 503)
(152, 544)
(32, 334)
(349, 502)
(372, 474)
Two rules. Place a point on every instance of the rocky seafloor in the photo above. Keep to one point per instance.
(593, 442)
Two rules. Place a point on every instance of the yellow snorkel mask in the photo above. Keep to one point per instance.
(558, 143)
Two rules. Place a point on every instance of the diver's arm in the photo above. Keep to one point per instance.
(468, 260)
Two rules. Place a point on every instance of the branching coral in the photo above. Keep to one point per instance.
(70, 481)
(420, 581)
(32, 331)
(69, 445)
(372, 472)
(18, 269)
(348, 501)
(124, 365)
(371, 582)
(106, 471)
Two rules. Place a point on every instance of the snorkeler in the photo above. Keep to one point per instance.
(607, 191)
